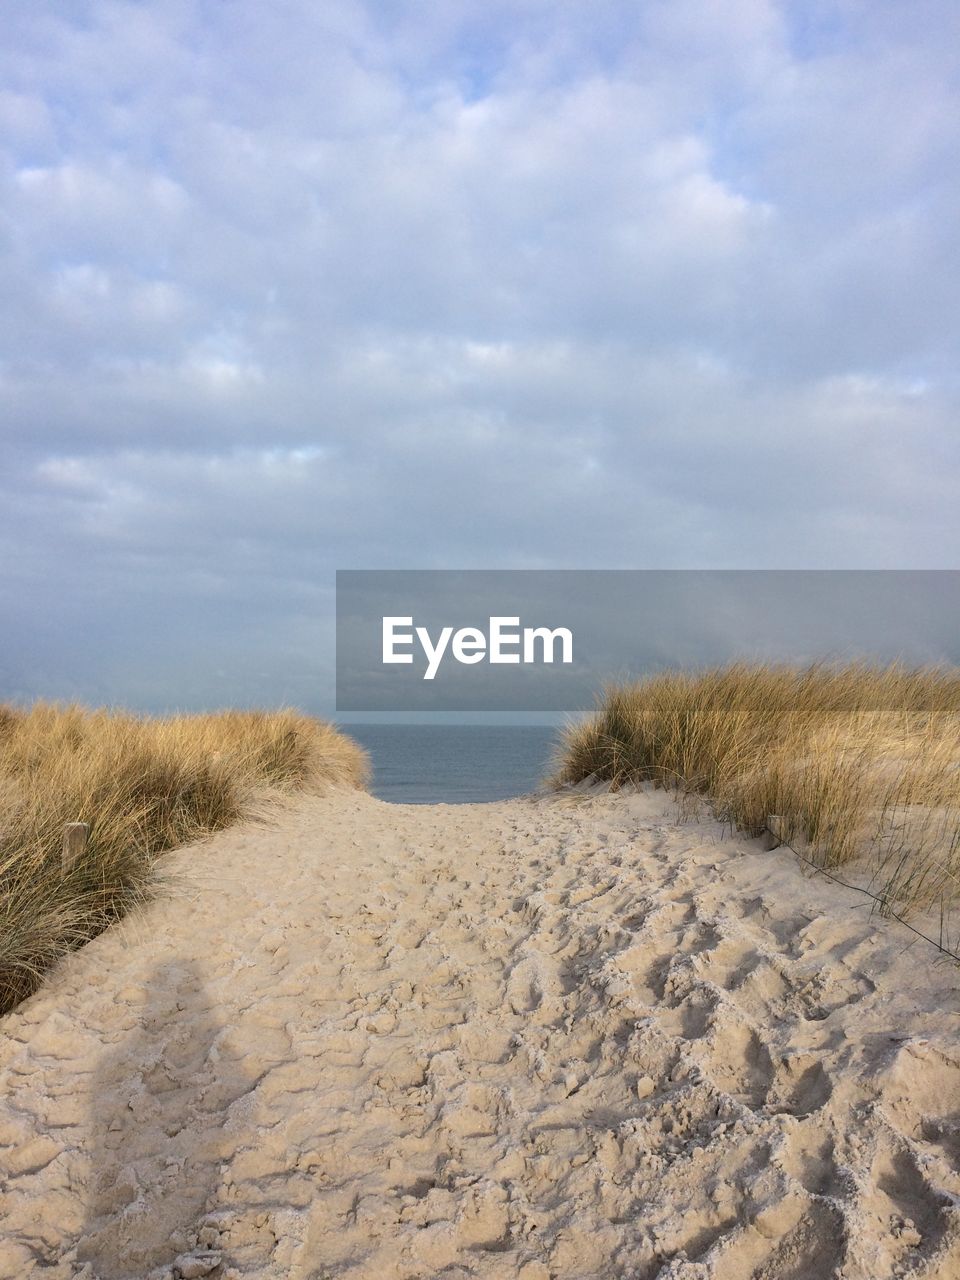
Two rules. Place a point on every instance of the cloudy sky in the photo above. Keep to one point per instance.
(300, 286)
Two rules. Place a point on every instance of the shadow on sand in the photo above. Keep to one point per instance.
(161, 1095)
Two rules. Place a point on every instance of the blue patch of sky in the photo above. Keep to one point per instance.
(817, 29)
(487, 46)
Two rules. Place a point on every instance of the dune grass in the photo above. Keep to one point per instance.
(860, 764)
(145, 786)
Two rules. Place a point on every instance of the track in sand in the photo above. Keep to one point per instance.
(565, 1037)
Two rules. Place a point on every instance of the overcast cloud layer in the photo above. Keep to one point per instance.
(289, 287)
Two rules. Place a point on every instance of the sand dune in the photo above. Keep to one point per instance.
(562, 1038)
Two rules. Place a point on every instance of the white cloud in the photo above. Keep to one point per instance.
(307, 286)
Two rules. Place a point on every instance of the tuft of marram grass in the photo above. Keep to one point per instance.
(859, 763)
(145, 786)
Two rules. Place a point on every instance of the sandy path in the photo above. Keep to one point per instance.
(562, 1038)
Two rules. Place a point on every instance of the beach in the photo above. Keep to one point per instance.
(558, 1038)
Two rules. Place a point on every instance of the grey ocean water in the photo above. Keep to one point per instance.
(455, 764)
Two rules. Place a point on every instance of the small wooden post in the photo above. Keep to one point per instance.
(75, 836)
(771, 838)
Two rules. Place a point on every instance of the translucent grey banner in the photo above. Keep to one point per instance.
(548, 640)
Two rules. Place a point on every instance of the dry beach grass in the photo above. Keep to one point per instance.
(145, 786)
(860, 764)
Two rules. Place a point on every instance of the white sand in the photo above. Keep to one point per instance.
(557, 1038)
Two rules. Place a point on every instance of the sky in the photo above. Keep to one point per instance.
(293, 287)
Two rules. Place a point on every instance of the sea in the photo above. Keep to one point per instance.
(455, 764)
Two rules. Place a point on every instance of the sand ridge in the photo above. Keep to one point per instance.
(558, 1038)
